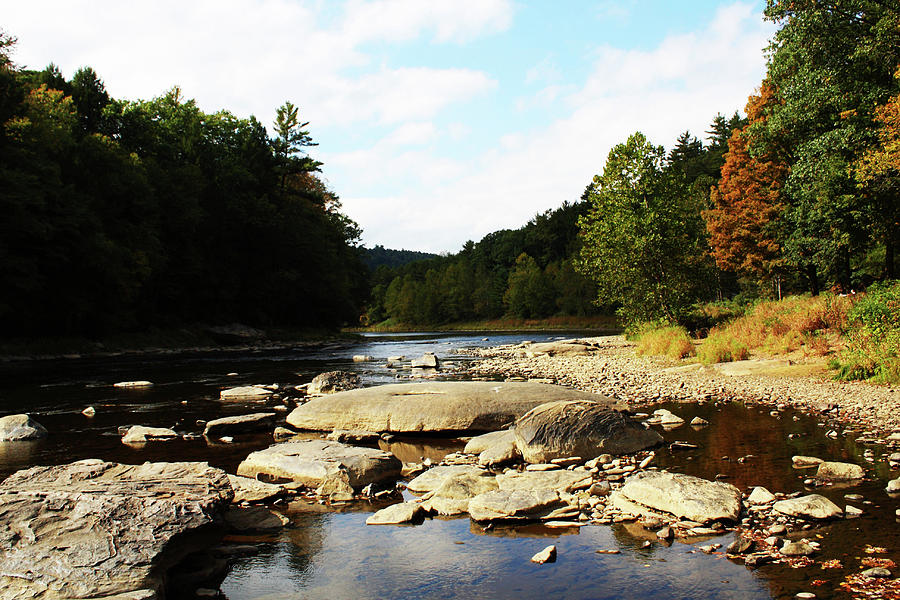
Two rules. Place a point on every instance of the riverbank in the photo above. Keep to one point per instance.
(602, 324)
(609, 366)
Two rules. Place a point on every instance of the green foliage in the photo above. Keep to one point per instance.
(643, 237)
(873, 351)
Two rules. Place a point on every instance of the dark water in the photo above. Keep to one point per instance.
(328, 554)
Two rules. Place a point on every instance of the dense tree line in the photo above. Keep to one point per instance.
(123, 214)
(378, 255)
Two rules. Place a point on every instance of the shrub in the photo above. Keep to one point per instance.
(657, 339)
(719, 346)
(873, 349)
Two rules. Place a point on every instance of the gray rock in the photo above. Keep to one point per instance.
(546, 555)
(333, 381)
(95, 529)
(138, 434)
(513, 505)
(585, 428)
(395, 514)
(480, 443)
(238, 424)
(246, 392)
(839, 471)
(560, 481)
(812, 506)
(684, 496)
(251, 490)
(254, 519)
(427, 407)
(14, 428)
(426, 361)
(312, 462)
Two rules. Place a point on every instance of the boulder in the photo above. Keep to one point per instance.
(480, 443)
(560, 481)
(684, 496)
(251, 490)
(333, 381)
(138, 434)
(666, 417)
(840, 471)
(760, 495)
(428, 407)
(426, 361)
(432, 479)
(246, 392)
(513, 505)
(500, 453)
(254, 519)
(92, 529)
(452, 496)
(395, 514)
(14, 428)
(812, 506)
(893, 486)
(584, 428)
(240, 424)
(312, 462)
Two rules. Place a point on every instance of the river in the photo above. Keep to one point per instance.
(326, 553)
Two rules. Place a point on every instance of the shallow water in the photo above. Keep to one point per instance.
(330, 554)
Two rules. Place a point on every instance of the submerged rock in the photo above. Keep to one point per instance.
(255, 519)
(812, 506)
(427, 407)
(585, 428)
(313, 462)
(840, 471)
(245, 392)
(15, 428)
(684, 496)
(240, 424)
(97, 529)
(804, 462)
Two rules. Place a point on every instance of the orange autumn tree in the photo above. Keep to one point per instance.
(747, 205)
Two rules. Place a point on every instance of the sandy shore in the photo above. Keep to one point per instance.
(611, 367)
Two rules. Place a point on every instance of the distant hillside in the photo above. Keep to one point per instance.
(379, 255)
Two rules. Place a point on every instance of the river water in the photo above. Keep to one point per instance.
(326, 553)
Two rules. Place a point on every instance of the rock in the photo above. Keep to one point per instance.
(133, 384)
(893, 486)
(96, 529)
(876, 572)
(337, 488)
(501, 452)
(760, 495)
(452, 496)
(353, 437)
(560, 348)
(333, 381)
(699, 422)
(254, 519)
(15, 428)
(804, 462)
(851, 512)
(542, 467)
(283, 433)
(138, 434)
(684, 496)
(480, 443)
(427, 361)
(798, 548)
(240, 424)
(546, 555)
(90, 411)
(740, 545)
(812, 506)
(251, 490)
(312, 462)
(584, 428)
(513, 505)
(560, 481)
(666, 417)
(395, 514)
(362, 358)
(839, 471)
(427, 407)
(432, 479)
(246, 392)
(758, 559)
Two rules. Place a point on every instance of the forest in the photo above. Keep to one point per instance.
(798, 194)
(123, 215)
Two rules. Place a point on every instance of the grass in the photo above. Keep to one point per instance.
(873, 337)
(599, 323)
(664, 340)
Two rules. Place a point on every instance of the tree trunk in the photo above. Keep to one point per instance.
(889, 256)
(813, 277)
(846, 276)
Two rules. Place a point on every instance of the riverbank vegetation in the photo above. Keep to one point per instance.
(129, 215)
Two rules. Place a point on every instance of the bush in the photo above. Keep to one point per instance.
(873, 349)
(657, 339)
(721, 347)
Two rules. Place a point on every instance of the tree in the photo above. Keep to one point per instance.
(90, 97)
(643, 237)
(289, 143)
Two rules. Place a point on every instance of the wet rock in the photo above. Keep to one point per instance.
(97, 529)
(312, 462)
(797, 548)
(666, 417)
(133, 384)
(513, 505)
(251, 490)
(14, 428)
(253, 422)
(851, 512)
(561, 481)
(452, 496)
(876, 572)
(395, 514)
(812, 506)
(426, 361)
(546, 555)
(138, 434)
(245, 392)
(740, 545)
(699, 422)
(760, 495)
(585, 428)
(336, 487)
(480, 443)
(283, 433)
(758, 559)
(684, 496)
(90, 411)
(839, 471)
(427, 407)
(255, 519)
(804, 462)
(353, 437)
(333, 381)
(893, 486)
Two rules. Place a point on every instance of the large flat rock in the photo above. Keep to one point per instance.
(513, 505)
(811, 506)
(684, 496)
(14, 428)
(578, 427)
(238, 424)
(314, 462)
(92, 529)
(561, 481)
(429, 407)
(432, 479)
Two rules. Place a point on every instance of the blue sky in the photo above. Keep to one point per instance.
(438, 120)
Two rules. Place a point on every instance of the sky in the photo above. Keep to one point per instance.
(438, 121)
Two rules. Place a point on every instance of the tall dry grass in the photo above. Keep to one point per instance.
(664, 340)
